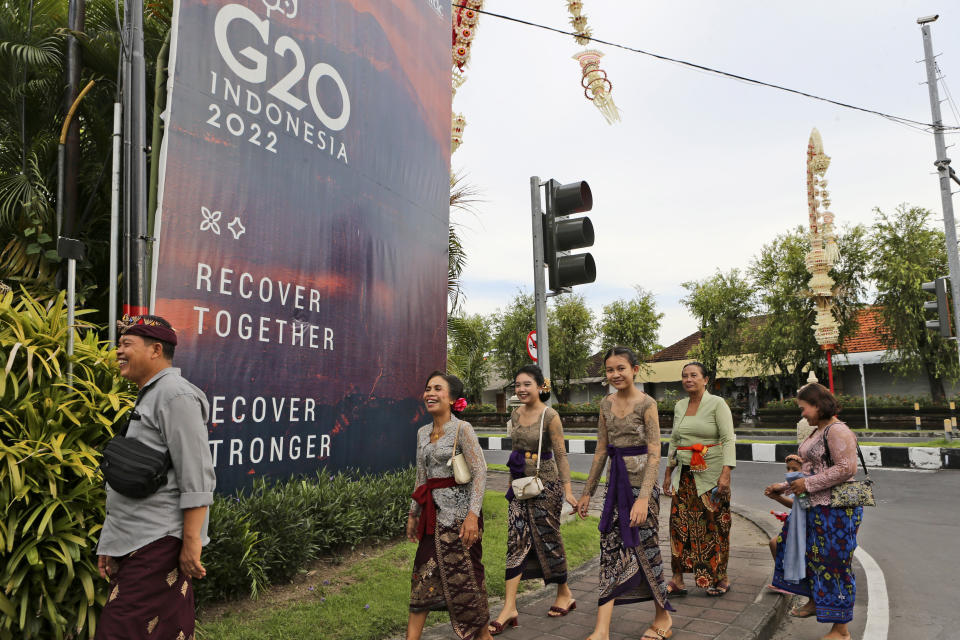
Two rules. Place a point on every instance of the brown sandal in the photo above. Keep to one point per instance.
(662, 634)
(560, 611)
(500, 628)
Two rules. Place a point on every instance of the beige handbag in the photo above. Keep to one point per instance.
(531, 486)
(461, 472)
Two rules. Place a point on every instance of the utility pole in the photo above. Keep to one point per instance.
(71, 165)
(943, 169)
(539, 281)
(135, 162)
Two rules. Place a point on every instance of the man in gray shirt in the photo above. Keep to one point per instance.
(150, 547)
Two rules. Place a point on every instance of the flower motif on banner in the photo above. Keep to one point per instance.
(211, 220)
(236, 228)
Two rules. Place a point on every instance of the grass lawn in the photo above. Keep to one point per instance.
(371, 602)
(574, 475)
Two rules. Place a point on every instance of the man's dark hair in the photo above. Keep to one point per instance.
(819, 396)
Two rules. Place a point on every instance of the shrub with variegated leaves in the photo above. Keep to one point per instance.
(51, 430)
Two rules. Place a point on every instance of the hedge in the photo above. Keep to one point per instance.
(268, 534)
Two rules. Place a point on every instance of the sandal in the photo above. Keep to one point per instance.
(799, 612)
(500, 628)
(560, 611)
(717, 590)
(662, 634)
(675, 591)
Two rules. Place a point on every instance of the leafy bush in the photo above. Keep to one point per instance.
(480, 408)
(593, 406)
(50, 433)
(271, 532)
(887, 401)
(669, 401)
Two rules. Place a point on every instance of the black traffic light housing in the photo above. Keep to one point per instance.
(939, 288)
(562, 233)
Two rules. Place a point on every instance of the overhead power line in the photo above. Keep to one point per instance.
(926, 126)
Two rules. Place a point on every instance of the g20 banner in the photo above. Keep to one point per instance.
(303, 225)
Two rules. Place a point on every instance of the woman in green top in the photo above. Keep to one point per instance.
(703, 445)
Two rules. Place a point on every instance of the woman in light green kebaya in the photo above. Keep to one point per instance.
(701, 456)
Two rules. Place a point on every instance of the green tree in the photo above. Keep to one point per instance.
(470, 340)
(783, 342)
(907, 252)
(632, 323)
(32, 44)
(510, 328)
(462, 199)
(721, 305)
(572, 332)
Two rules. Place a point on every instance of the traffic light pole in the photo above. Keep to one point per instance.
(539, 280)
(943, 169)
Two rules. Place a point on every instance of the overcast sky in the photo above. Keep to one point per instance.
(702, 170)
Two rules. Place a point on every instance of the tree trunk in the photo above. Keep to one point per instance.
(936, 387)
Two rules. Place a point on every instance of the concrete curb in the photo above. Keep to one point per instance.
(926, 458)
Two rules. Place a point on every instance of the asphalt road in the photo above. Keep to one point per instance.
(912, 534)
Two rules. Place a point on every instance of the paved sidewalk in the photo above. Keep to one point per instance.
(746, 612)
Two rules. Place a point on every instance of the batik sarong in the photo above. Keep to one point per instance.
(148, 597)
(633, 574)
(534, 546)
(830, 582)
(699, 536)
(449, 577)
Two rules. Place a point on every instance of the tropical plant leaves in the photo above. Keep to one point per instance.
(50, 432)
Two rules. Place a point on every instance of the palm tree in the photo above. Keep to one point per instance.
(32, 41)
(462, 198)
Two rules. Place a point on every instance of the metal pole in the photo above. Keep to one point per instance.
(943, 168)
(830, 369)
(135, 123)
(863, 389)
(71, 304)
(539, 281)
(114, 224)
(76, 16)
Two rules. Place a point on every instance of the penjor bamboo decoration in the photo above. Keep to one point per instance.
(596, 86)
(465, 17)
(823, 252)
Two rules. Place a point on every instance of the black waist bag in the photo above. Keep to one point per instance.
(131, 468)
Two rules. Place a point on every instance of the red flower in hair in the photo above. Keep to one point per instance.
(460, 404)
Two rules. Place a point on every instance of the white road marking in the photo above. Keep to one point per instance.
(878, 605)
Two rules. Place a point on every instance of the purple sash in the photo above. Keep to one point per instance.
(620, 493)
(517, 463)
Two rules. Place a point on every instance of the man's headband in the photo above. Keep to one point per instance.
(147, 328)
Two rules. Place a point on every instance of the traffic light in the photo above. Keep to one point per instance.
(939, 288)
(562, 233)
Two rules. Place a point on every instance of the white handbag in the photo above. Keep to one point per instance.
(531, 486)
(461, 472)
